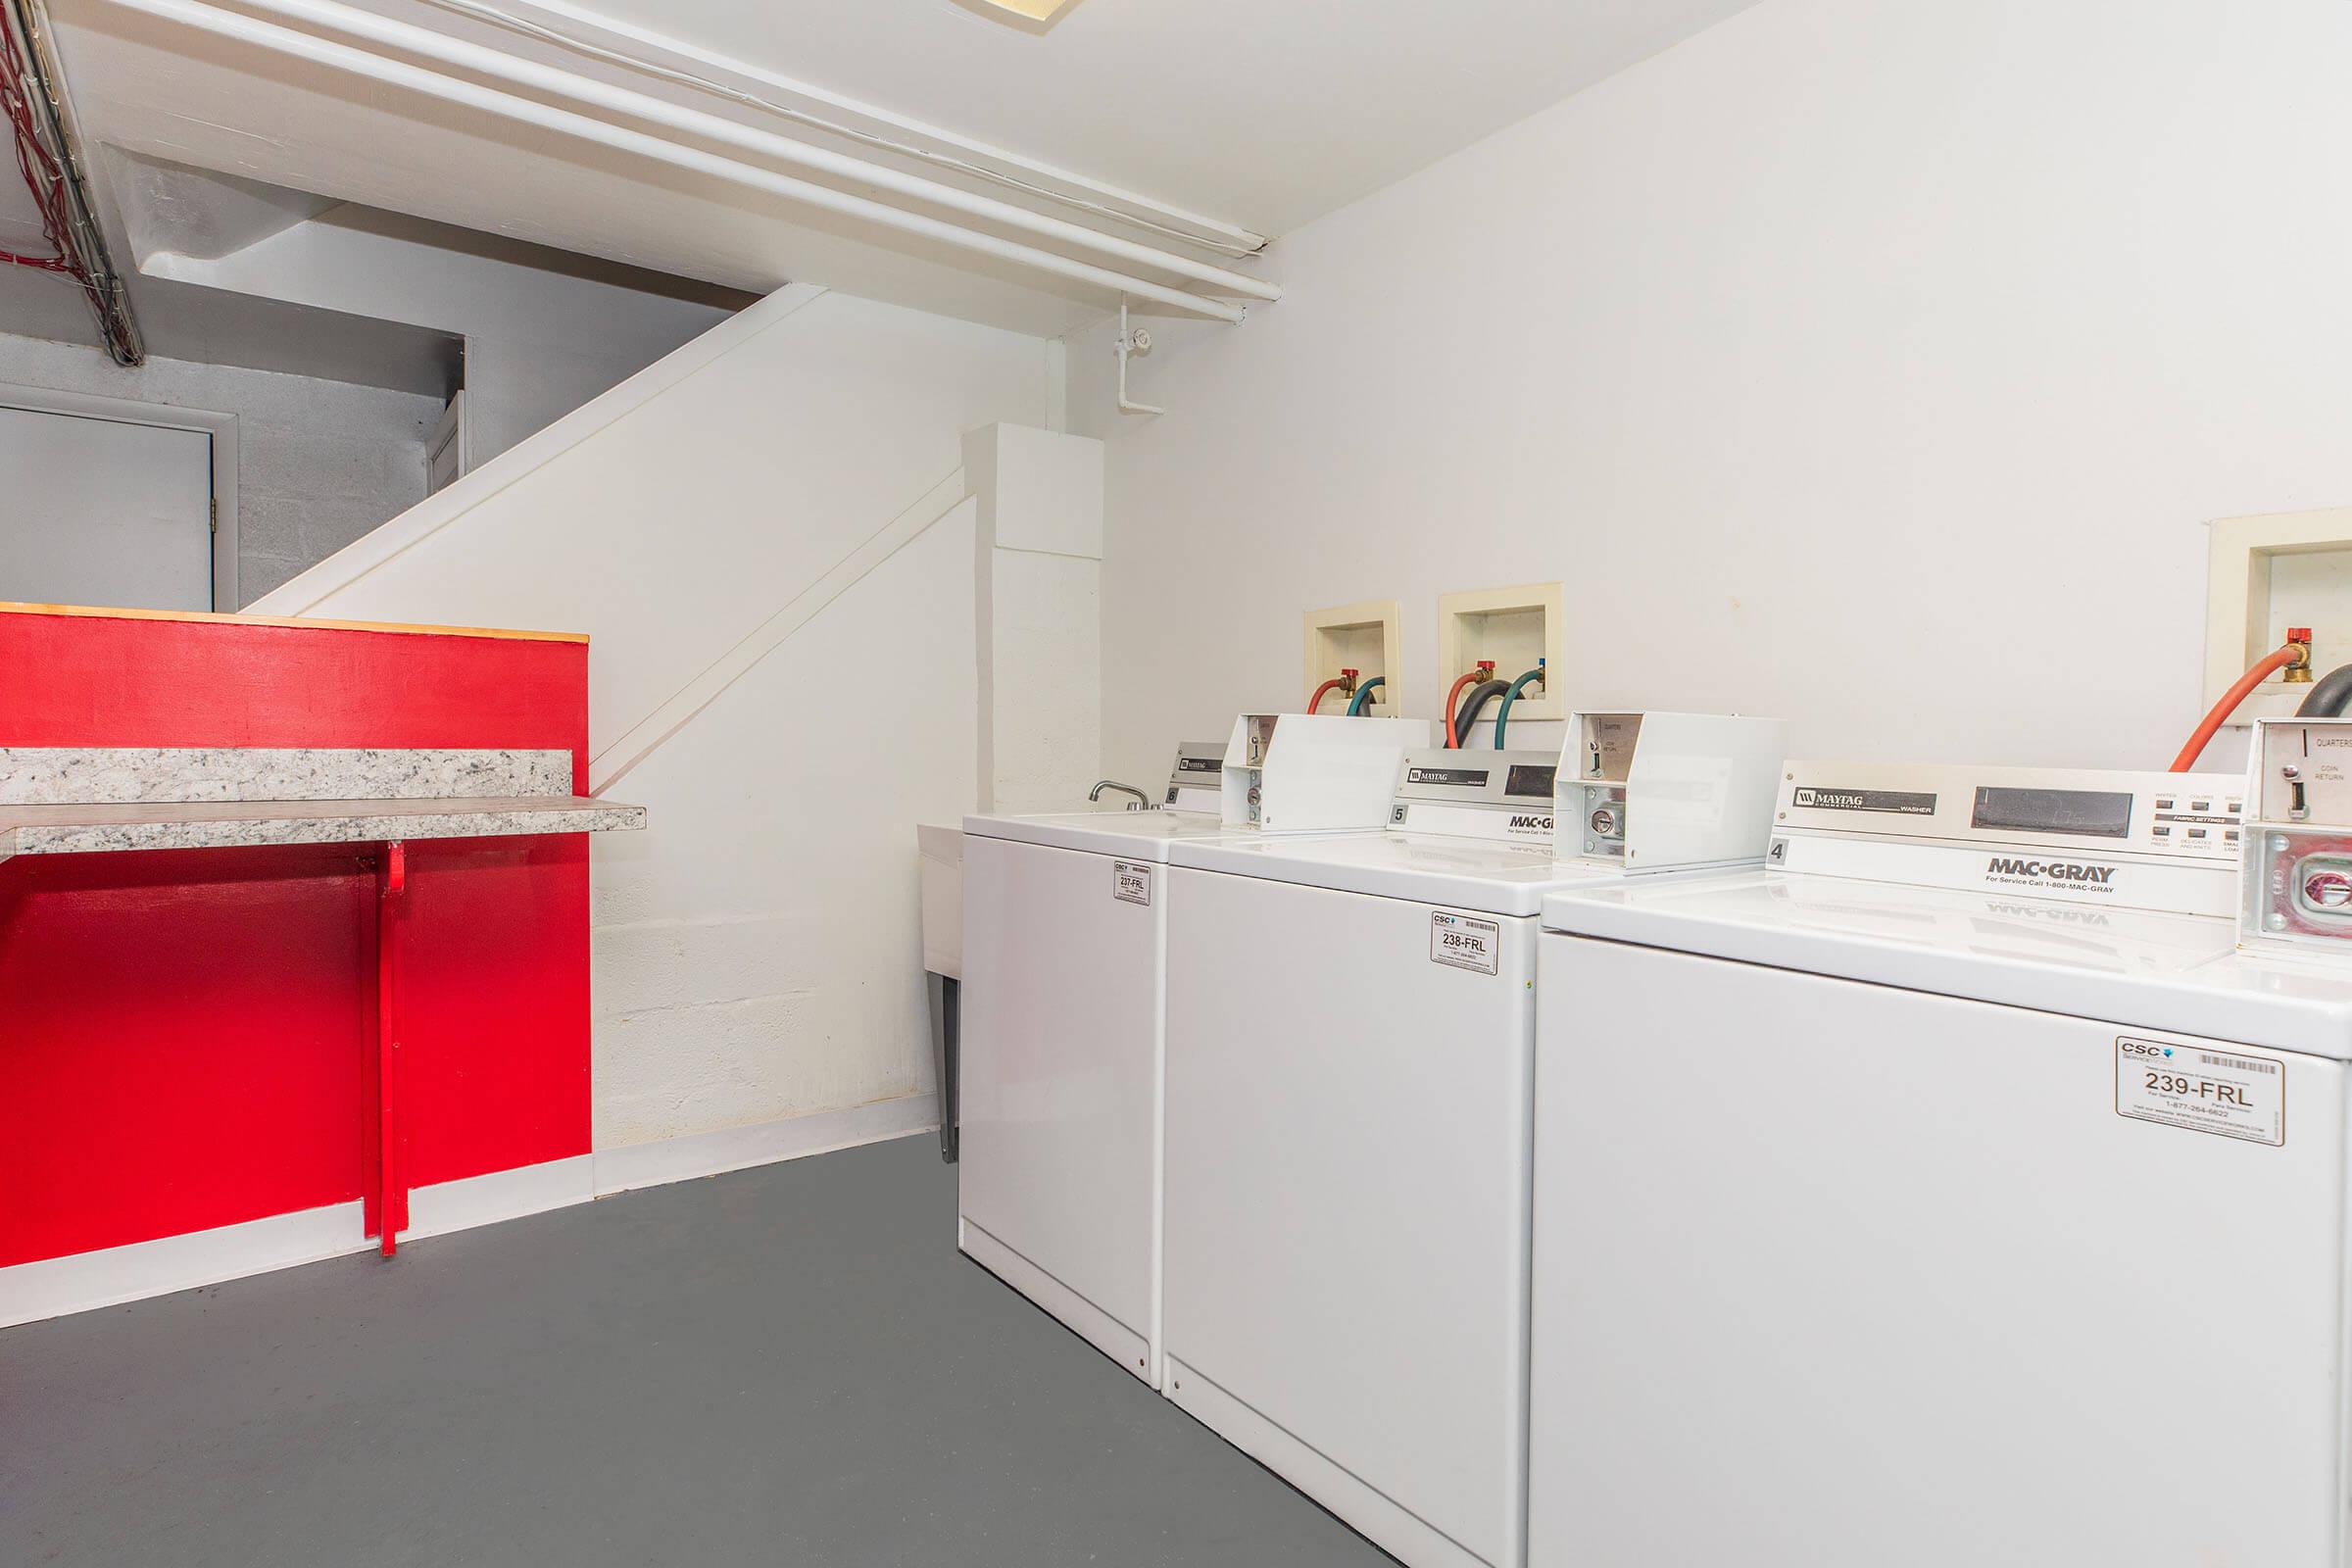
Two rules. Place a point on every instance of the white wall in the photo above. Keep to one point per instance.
(539, 342)
(318, 462)
(1872, 365)
(768, 537)
(1039, 607)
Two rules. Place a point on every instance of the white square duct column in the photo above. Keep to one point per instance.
(1039, 616)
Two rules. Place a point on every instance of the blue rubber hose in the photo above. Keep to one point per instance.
(1503, 714)
(1363, 695)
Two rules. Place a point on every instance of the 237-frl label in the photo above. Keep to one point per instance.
(1465, 941)
(1131, 882)
(2207, 1088)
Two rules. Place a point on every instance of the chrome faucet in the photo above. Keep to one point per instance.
(1143, 801)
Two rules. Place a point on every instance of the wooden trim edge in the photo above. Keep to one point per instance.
(103, 613)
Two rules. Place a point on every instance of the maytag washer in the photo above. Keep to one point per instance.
(1955, 1195)
(1351, 1035)
(1063, 1003)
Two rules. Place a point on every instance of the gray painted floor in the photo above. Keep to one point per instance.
(789, 1365)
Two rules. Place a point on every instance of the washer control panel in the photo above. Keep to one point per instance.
(2123, 840)
(1196, 782)
(2189, 814)
(1474, 793)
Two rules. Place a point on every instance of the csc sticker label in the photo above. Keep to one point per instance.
(1131, 881)
(1462, 942)
(2226, 1092)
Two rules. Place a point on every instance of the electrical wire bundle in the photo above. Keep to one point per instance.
(45, 176)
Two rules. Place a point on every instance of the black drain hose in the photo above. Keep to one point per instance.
(2330, 697)
(1485, 692)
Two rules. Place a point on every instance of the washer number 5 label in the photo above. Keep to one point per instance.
(1131, 881)
(1459, 941)
(2227, 1091)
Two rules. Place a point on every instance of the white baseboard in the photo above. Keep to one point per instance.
(677, 1159)
(53, 1286)
(82, 1280)
(459, 1205)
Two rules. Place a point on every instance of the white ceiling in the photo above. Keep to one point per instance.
(167, 94)
(1268, 112)
(1259, 113)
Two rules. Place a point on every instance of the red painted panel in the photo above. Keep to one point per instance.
(163, 1069)
(108, 682)
(494, 967)
(182, 1035)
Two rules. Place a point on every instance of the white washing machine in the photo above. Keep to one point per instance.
(1959, 1195)
(1351, 1036)
(1063, 1006)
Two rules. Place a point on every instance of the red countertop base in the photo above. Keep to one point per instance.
(185, 1036)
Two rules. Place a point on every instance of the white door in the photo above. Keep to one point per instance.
(1833, 1275)
(1347, 1194)
(1059, 1153)
(103, 511)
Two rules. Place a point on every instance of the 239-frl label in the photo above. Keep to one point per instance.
(2207, 1088)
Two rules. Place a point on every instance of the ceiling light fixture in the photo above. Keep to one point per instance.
(1034, 10)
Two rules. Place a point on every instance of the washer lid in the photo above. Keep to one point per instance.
(1137, 835)
(1459, 874)
(2161, 971)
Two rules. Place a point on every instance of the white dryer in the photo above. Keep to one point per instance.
(1350, 1037)
(1064, 996)
(1958, 1195)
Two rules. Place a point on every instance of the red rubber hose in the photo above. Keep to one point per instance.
(1454, 742)
(2293, 653)
(1316, 701)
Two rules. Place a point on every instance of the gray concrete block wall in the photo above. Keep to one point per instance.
(318, 462)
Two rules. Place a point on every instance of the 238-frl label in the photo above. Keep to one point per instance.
(2207, 1088)
(1465, 941)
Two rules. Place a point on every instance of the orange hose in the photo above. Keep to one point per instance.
(2293, 653)
(1454, 742)
(1316, 701)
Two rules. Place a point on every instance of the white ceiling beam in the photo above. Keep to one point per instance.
(567, 122)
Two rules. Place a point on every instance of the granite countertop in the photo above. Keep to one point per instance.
(207, 824)
(68, 775)
(83, 799)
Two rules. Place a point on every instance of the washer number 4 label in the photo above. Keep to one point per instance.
(1131, 881)
(1459, 941)
(2229, 1093)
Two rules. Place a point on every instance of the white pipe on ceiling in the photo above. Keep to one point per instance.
(908, 138)
(531, 74)
(563, 122)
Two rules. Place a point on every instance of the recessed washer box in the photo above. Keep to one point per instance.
(1361, 637)
(1515, 627)
(2268, 574)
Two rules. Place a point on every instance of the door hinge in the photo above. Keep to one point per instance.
(215, 507)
